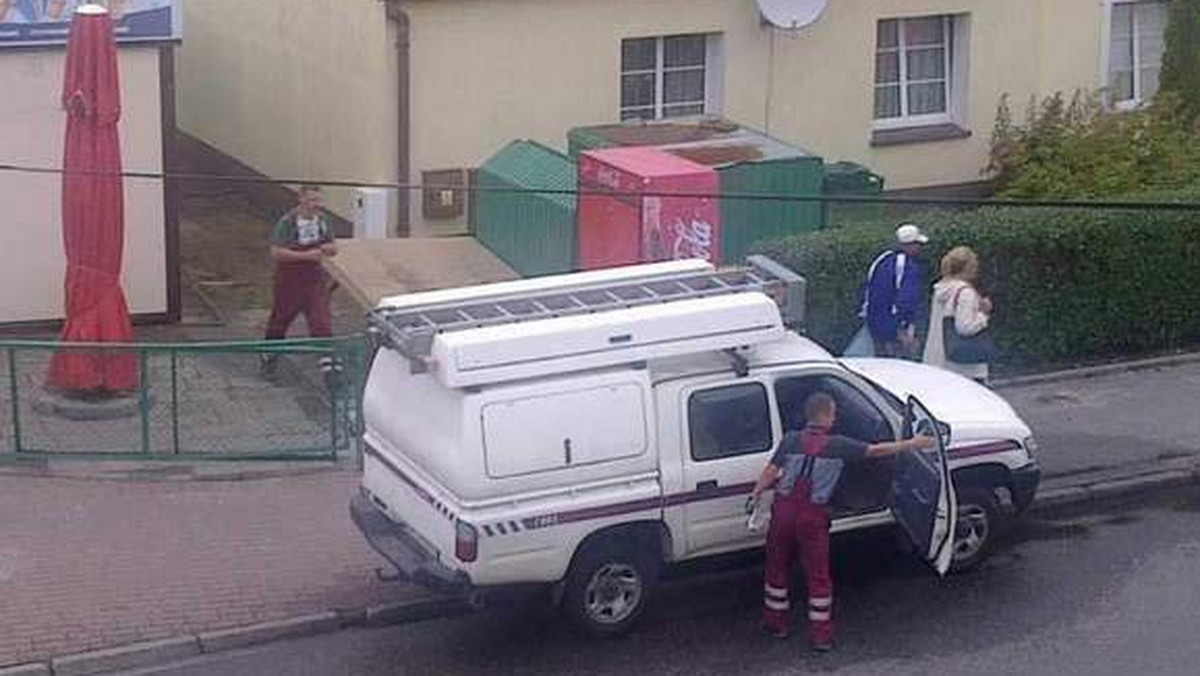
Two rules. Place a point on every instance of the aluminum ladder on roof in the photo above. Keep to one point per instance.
(411, 330)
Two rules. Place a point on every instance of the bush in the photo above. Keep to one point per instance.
(1069, 284)
(1078, 149)
(1181, 60)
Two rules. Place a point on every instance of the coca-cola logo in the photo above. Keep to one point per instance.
(607, 177)
(693, 239)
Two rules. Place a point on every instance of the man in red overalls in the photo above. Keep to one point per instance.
(301, 240)
(804, 472)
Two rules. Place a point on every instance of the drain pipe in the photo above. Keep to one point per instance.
(399, 18)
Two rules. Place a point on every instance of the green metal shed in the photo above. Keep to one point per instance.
(533, 232)
(850, 178)
(749, 162)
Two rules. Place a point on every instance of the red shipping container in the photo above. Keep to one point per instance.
(642, 222)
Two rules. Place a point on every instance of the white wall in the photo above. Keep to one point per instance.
(32, 124)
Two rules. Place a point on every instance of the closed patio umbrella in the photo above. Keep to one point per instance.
(93, 212)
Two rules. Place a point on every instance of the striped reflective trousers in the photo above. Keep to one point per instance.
(797, 524)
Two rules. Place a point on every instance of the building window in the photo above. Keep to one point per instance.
(668, 76)
(914, 68)
(1135, 51)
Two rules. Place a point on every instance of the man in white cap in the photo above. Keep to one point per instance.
(892, 294)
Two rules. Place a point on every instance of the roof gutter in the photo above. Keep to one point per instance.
(399, 18)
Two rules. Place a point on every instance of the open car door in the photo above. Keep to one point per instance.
(923, 500)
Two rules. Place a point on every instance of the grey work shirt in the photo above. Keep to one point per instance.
(826, 455)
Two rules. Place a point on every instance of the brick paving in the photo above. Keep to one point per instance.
(93, 564)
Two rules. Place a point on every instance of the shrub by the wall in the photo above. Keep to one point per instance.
(1068, 284)
(1082, 149)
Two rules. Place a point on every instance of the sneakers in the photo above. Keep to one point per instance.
(821, 646)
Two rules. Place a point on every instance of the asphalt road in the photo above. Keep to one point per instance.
(1112, 591)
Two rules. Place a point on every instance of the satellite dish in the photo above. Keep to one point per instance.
(792, 14)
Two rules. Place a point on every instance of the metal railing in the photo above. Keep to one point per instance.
(196, 401)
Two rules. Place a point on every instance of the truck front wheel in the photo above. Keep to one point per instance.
(978, 519)
(608, 586)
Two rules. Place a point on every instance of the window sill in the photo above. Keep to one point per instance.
(921, 134)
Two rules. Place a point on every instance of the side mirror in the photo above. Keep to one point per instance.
(943, 430)
(922, 426)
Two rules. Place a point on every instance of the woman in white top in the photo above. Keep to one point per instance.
(955, 296)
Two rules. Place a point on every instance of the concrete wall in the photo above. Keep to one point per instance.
(31, 132)
(293, 89)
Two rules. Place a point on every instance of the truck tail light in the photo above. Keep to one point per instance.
(466, 541)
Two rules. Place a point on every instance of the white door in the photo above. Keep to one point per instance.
(730, 438)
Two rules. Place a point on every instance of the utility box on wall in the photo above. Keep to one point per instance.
(371, 213)
(640, 205)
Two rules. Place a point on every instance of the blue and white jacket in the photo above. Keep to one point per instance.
(892, 294)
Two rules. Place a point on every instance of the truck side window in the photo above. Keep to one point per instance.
(857, 416)
(729, 421)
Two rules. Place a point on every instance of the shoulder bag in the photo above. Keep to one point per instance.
(960, 349)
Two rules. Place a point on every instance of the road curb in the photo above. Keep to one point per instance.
(137, 655)
(265, 632)
(169, 471)
(126, 657)
(152, 653)
(1114, 487)
(36, 669)
(1085, 372)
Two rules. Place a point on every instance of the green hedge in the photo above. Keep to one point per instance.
(1068, 284)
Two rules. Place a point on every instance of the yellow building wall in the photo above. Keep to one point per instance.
(487, 72)
(293, 88)
(309, 89)
(32, 125)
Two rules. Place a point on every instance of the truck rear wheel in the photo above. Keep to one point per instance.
(609, 585)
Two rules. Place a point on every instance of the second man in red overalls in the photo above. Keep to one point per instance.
(804, 471)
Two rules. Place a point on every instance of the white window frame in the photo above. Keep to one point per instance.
(1106, 56)
(950, 49)
(712, 69)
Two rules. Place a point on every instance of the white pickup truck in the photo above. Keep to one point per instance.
(580, 432)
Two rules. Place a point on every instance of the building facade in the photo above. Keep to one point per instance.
(416, 91)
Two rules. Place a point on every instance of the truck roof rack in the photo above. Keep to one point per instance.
(410, 324)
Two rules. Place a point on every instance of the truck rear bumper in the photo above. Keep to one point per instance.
(396, 542)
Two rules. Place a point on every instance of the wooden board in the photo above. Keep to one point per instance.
(375, 268)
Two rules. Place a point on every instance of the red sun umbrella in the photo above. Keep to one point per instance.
(93, 212)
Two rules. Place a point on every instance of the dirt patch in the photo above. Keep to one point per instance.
(223, 247)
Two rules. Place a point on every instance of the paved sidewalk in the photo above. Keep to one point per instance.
(94, 564)
(1118, 419)
(90, 564)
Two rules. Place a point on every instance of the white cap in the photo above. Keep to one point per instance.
(908, 233)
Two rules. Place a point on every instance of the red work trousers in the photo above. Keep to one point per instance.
(300, 288)
(797, 523)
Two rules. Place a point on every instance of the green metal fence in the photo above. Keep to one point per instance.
(196, 401)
